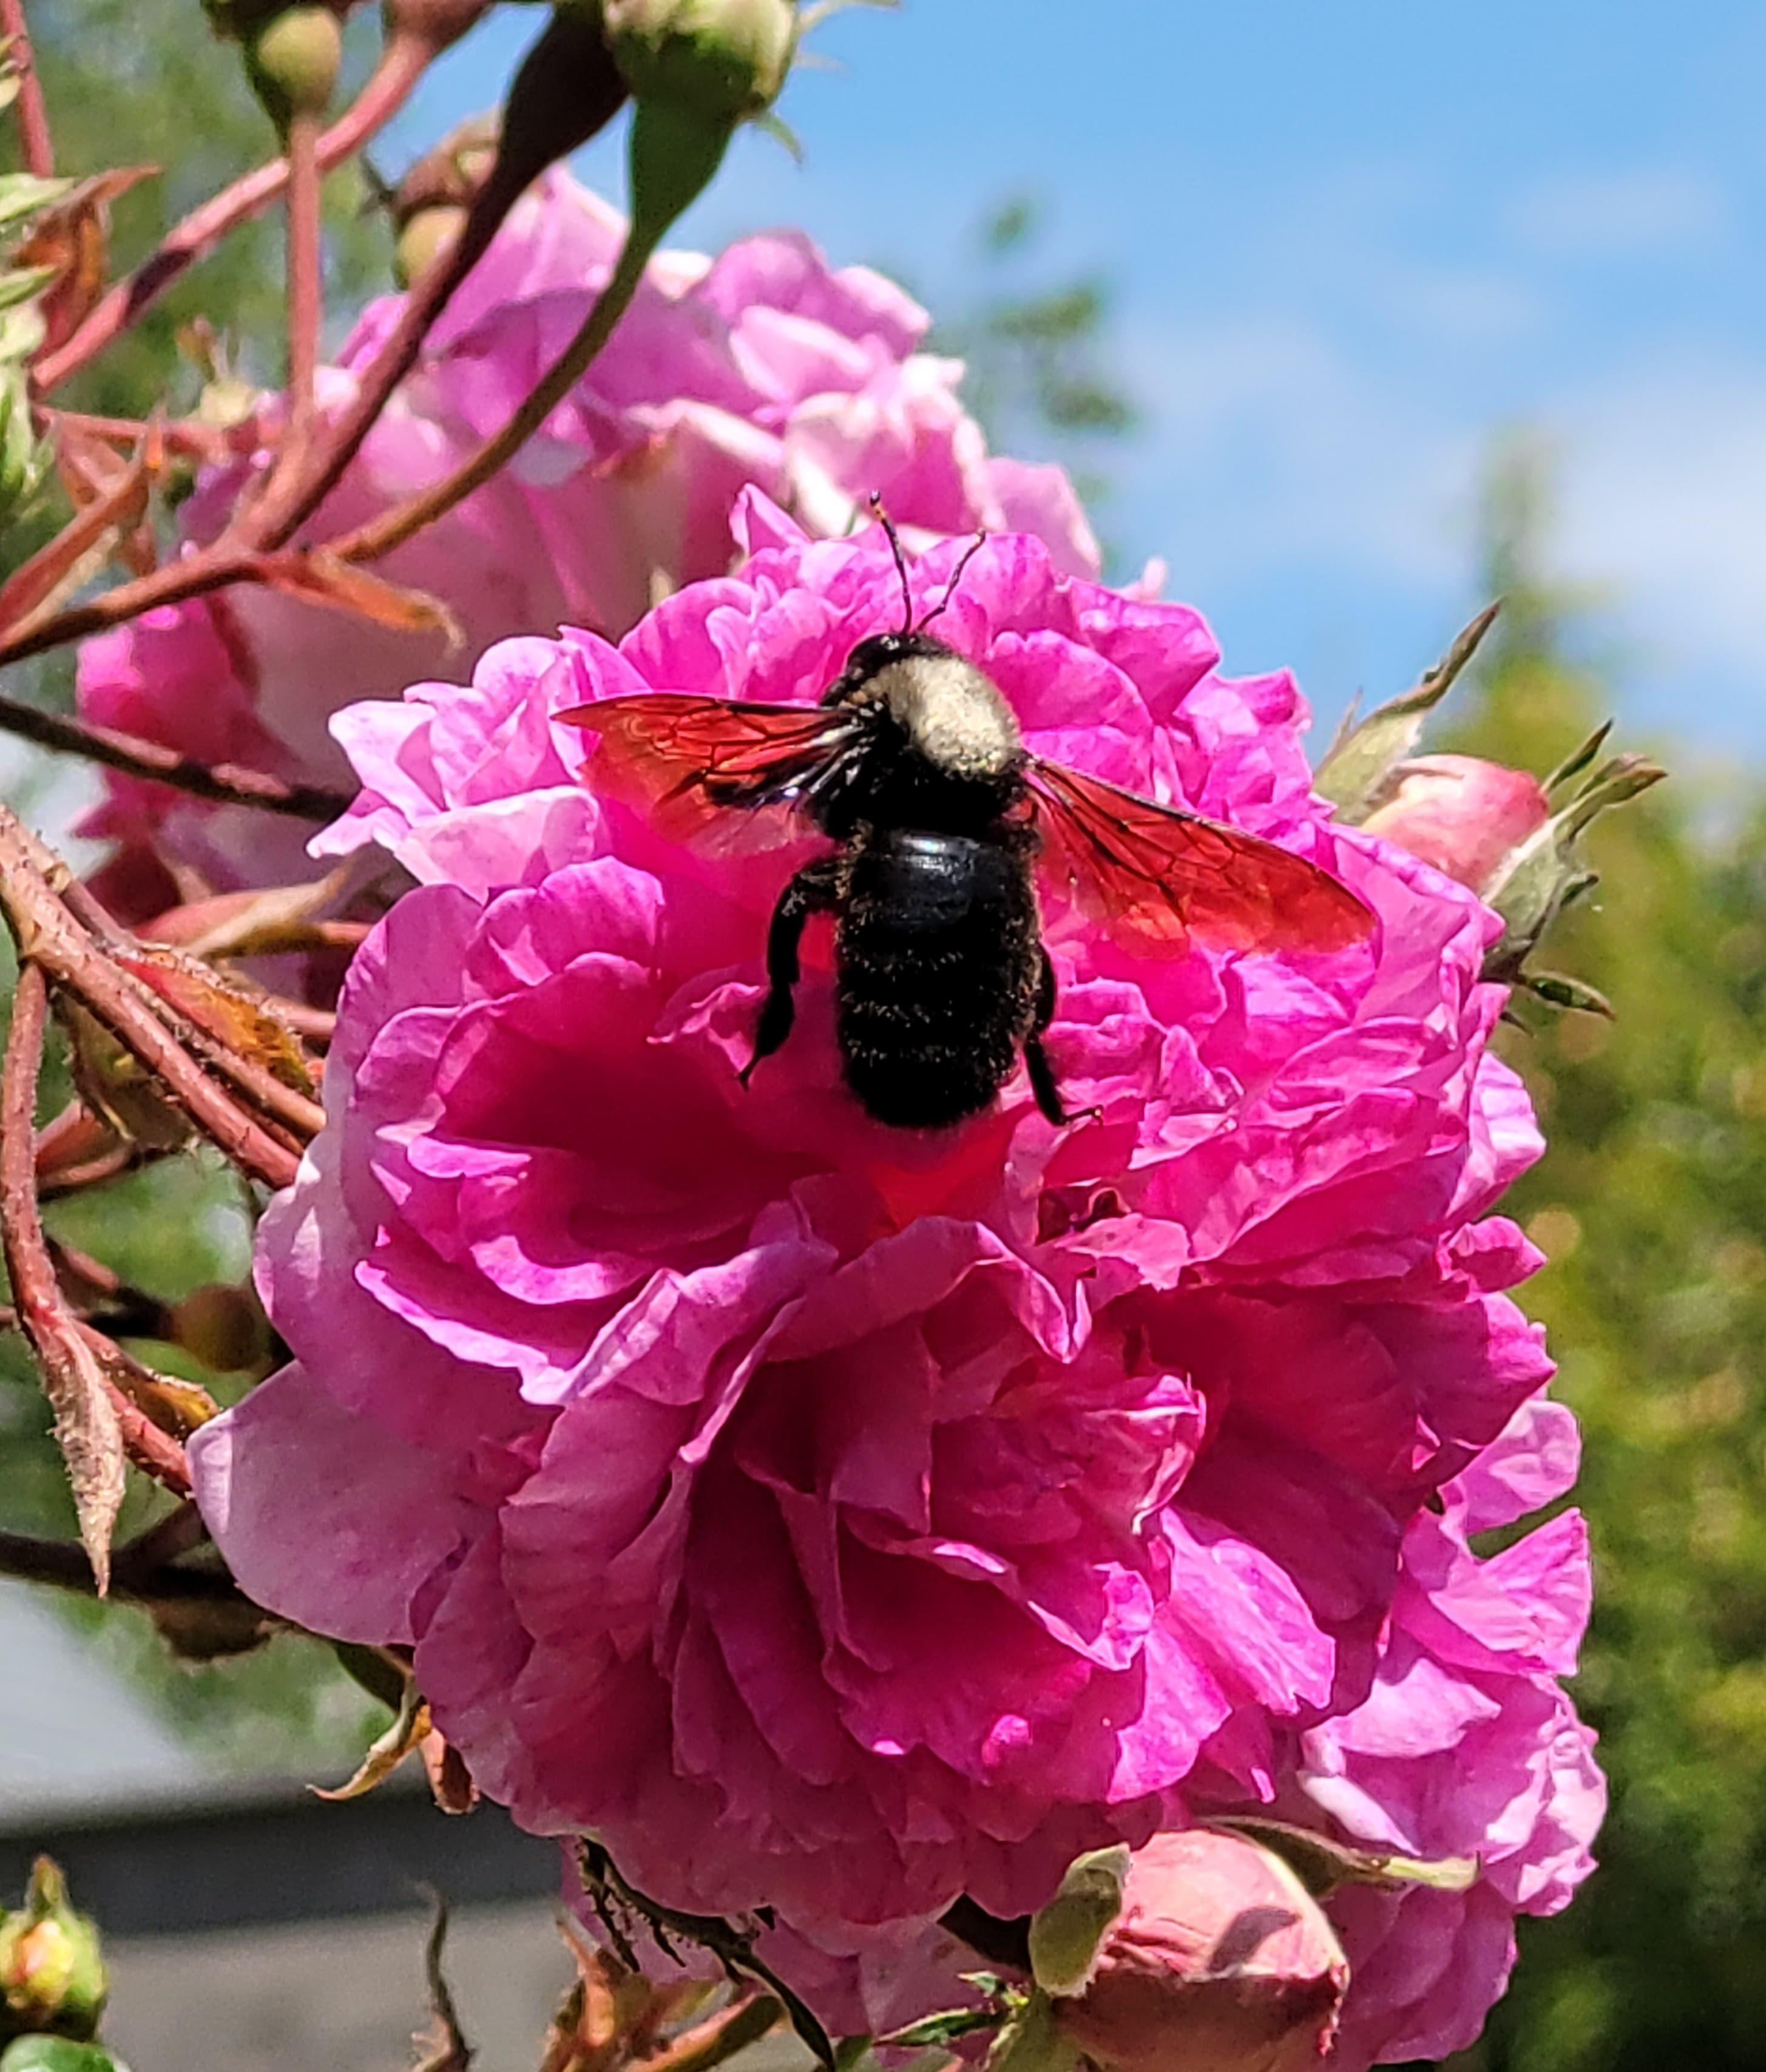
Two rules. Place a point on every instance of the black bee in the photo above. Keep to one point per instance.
(913, 765)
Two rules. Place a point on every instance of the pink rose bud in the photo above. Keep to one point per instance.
(1461, 814)
(1220, 1961)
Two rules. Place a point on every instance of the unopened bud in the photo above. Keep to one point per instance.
(1219, 1961)
(51, 1973)
(293, 61)
(426, 237)
(723, 60)
(450, 173)
(1460, 813)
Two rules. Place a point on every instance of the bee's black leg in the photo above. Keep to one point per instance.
(812, 891)
(1035, 1059)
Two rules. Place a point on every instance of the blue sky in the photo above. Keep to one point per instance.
(1349, 241)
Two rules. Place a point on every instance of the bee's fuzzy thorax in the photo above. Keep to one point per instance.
(953, 714)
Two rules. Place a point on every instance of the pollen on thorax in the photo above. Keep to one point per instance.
(953, 714)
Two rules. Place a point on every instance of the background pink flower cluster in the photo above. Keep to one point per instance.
(764, 366)
(841, 1520)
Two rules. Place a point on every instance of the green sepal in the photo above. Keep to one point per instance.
(1322, 1864)
(1067, 1935)
(1354, 771)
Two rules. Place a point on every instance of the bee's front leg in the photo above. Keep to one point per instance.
(1035, 1059)
(813, 891)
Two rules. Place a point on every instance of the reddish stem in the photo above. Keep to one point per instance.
(402, 66)
(306, 295)
(290, 503)
(380, 534)
(229, 783)
(48, 934)
(40, 155)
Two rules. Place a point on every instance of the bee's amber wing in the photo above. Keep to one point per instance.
(1158, 877)
(683, 760)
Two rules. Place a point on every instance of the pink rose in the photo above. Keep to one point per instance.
(829, 1517)
(1466, 1746)
(1461, 814)
(764, 366)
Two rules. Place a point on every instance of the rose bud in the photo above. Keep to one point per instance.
(293, 60)
(1220, 1961)
(430, 208)
(51, 1973)
(721, 60)
(1463, 815)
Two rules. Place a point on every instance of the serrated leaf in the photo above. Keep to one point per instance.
(1067, 1935)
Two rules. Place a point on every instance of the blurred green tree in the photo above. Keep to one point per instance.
(1651, 1206)
(1040, 374)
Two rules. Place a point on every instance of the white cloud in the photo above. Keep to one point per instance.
(1663, 498)
(1621, 214)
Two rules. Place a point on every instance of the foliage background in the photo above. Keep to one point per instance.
(1651, 1204)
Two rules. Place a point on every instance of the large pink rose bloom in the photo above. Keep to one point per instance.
(764, 366)
(1466, 1746)
(827, 1516)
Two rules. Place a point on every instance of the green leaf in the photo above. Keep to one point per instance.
(56, 2053)
(934, 2031)
(23, 195)
(1556, 989)
(1067, 1935)
(21, 282)
(1031, 2042)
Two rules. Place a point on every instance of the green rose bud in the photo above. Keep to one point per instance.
(51, 1972)
(722, 60)
(293, 61)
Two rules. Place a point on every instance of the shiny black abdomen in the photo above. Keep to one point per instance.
(938, 958)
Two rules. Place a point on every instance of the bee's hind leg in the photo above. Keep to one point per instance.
(813, 891)
(1035, 1059)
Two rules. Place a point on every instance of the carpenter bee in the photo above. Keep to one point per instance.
(913, 765)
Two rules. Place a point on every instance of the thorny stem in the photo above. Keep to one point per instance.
(95, 1421)
(381, 535)
(289, 503)
(47, 933)
(229, 783)
(39, 156)
(401, 65)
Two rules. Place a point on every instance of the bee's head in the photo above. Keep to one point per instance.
(877, 650)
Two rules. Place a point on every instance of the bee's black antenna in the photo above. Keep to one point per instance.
(975, 546)
(884, 520)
